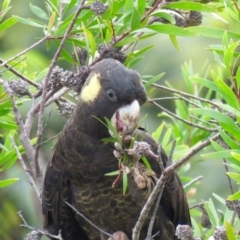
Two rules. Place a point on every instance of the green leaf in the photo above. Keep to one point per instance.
(226, 92)
(212, 32)
(153, 80)
(5, 4)
(135, 20)
(112, 173)
(229, 231)
(70, 5)
(38, 11)
(225, 121)
(129, 4)
(146, 163)
(112, 129)
(204, 82)
(175, 43)
(8, 124)
(228, 56)
(234, 176)
(126, 41)
(156, 135)
(212, 213)
(228, 140)
(166, 138)
(220, 199)
(235, 196)
(8, 23)
(222, 154)
(28, 22)
(125, 182)
(51, 22)
(141, 5)
(166, 14)
(236, 155)
(90, 39)
(189, 5)
(172, 30)
(7, 182)
(238, 78)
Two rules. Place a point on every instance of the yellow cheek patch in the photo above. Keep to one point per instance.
(90, 92)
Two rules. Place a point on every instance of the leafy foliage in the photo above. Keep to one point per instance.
(210, 105)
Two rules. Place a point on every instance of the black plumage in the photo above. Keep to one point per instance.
(76, 172)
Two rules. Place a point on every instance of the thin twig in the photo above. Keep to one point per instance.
(50, 139)
(183, 120)
(170, 157)
(193, 181)
(182, 93)
(25, 224)
(23, 135)
(86, 219)
(15, 72)
(159, 158)
(24, 51)
(152, 220)
(28, 172)
(56, 96)
(45, 85)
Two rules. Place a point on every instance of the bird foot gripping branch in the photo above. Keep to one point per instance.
(129, 163)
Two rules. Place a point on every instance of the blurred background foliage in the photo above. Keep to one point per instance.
(193, 60)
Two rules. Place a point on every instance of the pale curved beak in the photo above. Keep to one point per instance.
(126, 118)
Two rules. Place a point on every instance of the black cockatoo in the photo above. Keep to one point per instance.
(76, 172)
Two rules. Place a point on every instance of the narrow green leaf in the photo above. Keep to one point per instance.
(153, 80)
(70, 5)
(51, 22)
(126, 41)
(141, 5)
(175, 43)
(125, 182)
(28, 22)
(218, 60)
(204, 82)
(5, 4)
(7, 182)
(220, 199)
(38, 11)
(166, 14)
(90, 39)
(228, 140)
(230, 231)
(8, 125)
(146, 163)
(129, 4)
(166, 138)
(112, 173)
(190, 5)
(238, 78)
(172, 30)
(235, 196)
(236, 155)
(227, 93)
(143, 50)
(234, 176)
(212, 32)
(8, 23)
(156, 135)
(214, 212)
(135, 20)
(112, 129)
